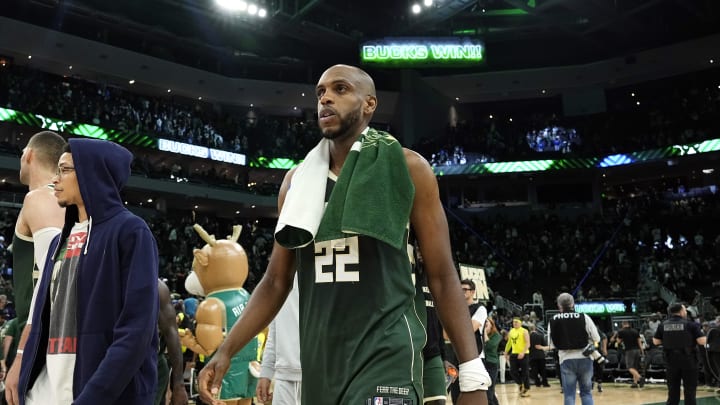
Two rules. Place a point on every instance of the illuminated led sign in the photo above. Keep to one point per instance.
(603, 307)
(187, 149)
(227, 157)
(401, 52)
(183, 148)
(616, 160)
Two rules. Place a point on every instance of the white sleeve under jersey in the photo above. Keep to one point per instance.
(41, 243)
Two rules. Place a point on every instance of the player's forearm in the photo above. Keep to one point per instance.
(175, 358)
(454, 315)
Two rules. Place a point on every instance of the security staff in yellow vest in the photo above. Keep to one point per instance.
(679, 338)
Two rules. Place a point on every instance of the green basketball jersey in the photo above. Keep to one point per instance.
(25, 274)
(361, 338)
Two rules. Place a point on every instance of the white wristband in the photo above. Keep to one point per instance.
(473, 376)
(19, 351)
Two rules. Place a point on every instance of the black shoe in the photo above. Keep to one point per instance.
(634, 385)
(642, 382)
(546, 385)
(599, 387)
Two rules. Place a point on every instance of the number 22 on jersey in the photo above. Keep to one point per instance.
(341, 252)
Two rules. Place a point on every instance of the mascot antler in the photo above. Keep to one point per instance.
(204, 235)
(237, 229)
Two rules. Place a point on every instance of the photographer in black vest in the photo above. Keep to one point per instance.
(575, 336)
(679, 338)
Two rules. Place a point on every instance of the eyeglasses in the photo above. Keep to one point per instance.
(63, 170)
(468, 289)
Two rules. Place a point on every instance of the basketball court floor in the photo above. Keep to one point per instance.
(613, 394)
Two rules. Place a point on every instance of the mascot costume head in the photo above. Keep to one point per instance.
(220, 269)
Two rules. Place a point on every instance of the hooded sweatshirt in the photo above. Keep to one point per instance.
(117, 297)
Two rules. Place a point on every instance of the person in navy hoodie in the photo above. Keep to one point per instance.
(94, 326)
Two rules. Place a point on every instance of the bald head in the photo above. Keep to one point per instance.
(358, 77)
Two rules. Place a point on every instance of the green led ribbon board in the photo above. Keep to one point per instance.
(123, 137)
(70, 127)
(146, 141)
(423, 52)
(276, 163)
(710, 145)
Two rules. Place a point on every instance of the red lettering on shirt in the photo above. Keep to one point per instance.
(75, 243)
(62, 345)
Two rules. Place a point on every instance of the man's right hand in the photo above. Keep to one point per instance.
(12, 381)
(262, 392)
(211, 377)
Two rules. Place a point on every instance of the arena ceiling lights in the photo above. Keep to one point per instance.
(241, 6)
(417, 9)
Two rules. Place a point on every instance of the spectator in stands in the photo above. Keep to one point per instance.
(537, 298)
(654, 322)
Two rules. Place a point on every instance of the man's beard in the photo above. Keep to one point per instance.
(345, 124)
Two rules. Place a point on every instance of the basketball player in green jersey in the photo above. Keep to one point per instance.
(39, 220)
(346, 103)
